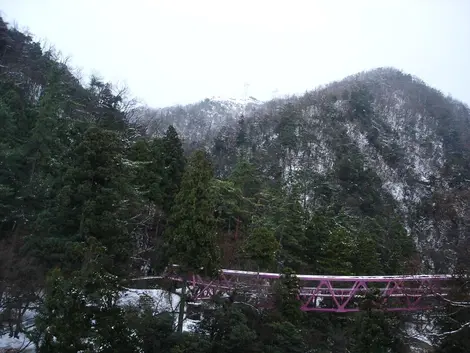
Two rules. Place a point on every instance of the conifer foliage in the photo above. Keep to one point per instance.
(89, 201)
(192, 236)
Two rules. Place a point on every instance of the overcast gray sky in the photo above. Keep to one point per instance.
(181, 51)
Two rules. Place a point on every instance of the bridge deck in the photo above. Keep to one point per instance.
(323, 293)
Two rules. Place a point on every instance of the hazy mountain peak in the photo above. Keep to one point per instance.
(235, 100)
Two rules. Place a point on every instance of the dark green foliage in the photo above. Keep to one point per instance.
(286, 129)
(154, 331)
(148, 168)
(360, 102)
(174, 162)
(331, 245)
(337, 255)
(80, 311)
(247, 178)
(260, 247)
(292, 233)
(376, 332)
(190, 343)
(303, 183)
(287, 300)
(93, 200)
(282, 337)
(397, 248)
(228, 330)
(191, 236)
(367, 257)
(241, 135)
(230, 204)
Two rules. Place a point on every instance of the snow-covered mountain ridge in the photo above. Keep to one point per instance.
(200, 120)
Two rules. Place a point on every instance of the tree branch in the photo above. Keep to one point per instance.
(444, 334)
(454, 303)
(249, 305)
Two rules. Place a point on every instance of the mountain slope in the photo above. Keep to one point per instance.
(401, 144)
(89, 203)
(198, 121)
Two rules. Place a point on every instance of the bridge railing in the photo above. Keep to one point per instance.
(324, 293)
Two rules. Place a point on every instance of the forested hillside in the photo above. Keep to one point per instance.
(366, 176)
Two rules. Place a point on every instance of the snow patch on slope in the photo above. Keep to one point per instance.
(22, 344)
(390, 180)
(162, 301)
(235, 101)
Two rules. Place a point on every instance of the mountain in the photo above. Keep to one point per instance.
(383, 128)
(339, 181)
(198, 121)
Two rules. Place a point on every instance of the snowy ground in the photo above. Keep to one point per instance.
(162, 301)
(22, 343)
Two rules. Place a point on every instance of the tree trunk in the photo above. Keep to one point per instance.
(182, 306)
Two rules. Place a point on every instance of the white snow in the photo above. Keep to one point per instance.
(22, 342)
(335, 278)
(238, 101)
(417, 332)
(162, 301)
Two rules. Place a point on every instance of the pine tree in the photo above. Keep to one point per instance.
(366, 256)
(80, 310)
(261, 248)
(291, 235)
(147, 168)
(397, 248)
(317, 234)
(247, 178)
(286, 129)
(288, 297)
(174, 162)
(191, 239)
(229, 330)
(375, 333)
(94, 200)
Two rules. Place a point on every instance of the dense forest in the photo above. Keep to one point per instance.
(367, 176)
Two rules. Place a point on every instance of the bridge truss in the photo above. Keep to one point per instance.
(339, 294)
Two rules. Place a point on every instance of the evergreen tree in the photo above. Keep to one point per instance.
(94, 201)
(83, 191)
(230, 205)
(287, 297)
(261, 248)
(247, 178)
(229, 330)
(292, 238)
(148, 168)
(372, 334)
(286, 129)
(282, 337)
(174, 162)
(191, 239)
(397, 249)
(331, 245)
(80, 311)
(366, 255)
(337, 257)
(317, 233)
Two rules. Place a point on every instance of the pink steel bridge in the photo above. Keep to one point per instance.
(320, 293)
